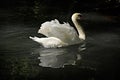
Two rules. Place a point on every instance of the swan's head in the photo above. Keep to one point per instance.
(76, 16)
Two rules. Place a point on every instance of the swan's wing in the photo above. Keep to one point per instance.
(50, 42)
(64, 32)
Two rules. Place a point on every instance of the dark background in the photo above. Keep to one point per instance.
(22, 18)
(58, 6)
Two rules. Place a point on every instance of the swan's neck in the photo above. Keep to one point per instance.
(79, 29)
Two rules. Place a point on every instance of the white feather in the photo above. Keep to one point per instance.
(49, 42)
(59, 35)
(64, 32)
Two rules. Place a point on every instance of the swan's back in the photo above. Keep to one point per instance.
(64, 31)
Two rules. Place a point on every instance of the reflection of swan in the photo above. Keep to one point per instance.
(57, 58)
(59, 35)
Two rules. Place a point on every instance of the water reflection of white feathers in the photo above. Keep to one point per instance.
(57, 58)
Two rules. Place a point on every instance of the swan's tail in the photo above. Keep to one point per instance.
(31, 37)
(35, 38)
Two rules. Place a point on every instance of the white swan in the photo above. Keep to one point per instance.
(59, 35)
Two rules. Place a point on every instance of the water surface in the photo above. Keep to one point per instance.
(97, 58)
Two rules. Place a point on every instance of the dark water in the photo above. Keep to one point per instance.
(23, 59)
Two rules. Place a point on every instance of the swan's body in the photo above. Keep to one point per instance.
(59, 35)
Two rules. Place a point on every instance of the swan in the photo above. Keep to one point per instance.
(60, 35)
